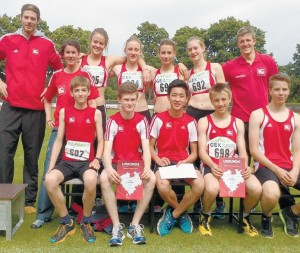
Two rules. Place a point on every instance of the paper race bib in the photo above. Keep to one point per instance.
(199, 82)
(221, 147)
(78, 150)
(97, 73)
(162, 82)
(133, 77)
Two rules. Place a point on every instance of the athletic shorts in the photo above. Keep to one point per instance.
(147, 114)
(205, 170)
(72, 170)
(197, 113)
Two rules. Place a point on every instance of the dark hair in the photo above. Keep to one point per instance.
(73, 43)
(177, 83)
(80, 81)
(31, 7)
(127, 88)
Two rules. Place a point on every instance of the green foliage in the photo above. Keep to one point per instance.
(220, 39)
(67, 32)
(181, 36)
(293, 70)
(150, 36)
(111, 92)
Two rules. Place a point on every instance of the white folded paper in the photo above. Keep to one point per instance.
(186, 170)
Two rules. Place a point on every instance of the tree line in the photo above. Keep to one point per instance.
(220, 40)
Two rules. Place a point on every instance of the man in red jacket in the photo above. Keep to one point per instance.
(28, 54)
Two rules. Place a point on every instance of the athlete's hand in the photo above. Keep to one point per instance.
(95, 164)
(164, 161)
(284, 177)
(294, 173)
(113, 176)
(246, 174)
(180, 162)
(51, 123)
(3, 88)
(216, 171)
(146, 174)
(146, 76)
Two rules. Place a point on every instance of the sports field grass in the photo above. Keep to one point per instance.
(225, 236)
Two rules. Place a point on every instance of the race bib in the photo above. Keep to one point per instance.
(199, 82)
(221, 147)
(162, 82)
(97, 73)
(78, 150)
(133, 77)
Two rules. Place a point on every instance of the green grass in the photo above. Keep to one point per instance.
(225, 236)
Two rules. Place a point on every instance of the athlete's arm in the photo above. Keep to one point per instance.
(147, 159)
(58, 143)
(218, 72)
(204, 157)
(3, 88)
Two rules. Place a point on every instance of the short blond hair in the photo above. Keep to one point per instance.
(80, 81)
(218, 88)
(127, 88)
(279, 77)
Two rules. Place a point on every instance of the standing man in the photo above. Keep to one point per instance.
(126, 138)
(28, 53)
(274, 134)
(248, 77)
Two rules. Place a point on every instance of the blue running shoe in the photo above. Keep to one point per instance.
(117, 235)
(166, 223)
(136, 233)
(219, 210)
(185, 223)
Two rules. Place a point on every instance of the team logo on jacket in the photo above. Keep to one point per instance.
(169, 125)
(88, 121)
(229, 132)
(72, 120)
(61, 90)
(16, 51)
(121, 128)
(35, 51)
(261, 72)
(287, 127)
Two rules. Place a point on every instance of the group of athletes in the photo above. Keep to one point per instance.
(191, 121)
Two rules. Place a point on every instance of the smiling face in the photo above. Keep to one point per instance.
(97, 44)
(128, 102)
(178, 98)
(29, 22)
(220, 101)
(80, 94)
(246, 44)
(133, 51)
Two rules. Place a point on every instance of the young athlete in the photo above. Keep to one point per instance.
(130, 71)
(165, 75)
(27, 54)
(202, 77)
(274, 134)
(126, 138)
(222, 135)
(79, 124)
(59, 86)
(100, 66)
(172, 133)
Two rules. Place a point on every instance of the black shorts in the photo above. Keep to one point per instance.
(72, 170)
(206, 169)
(147, 114)
(197, 113)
